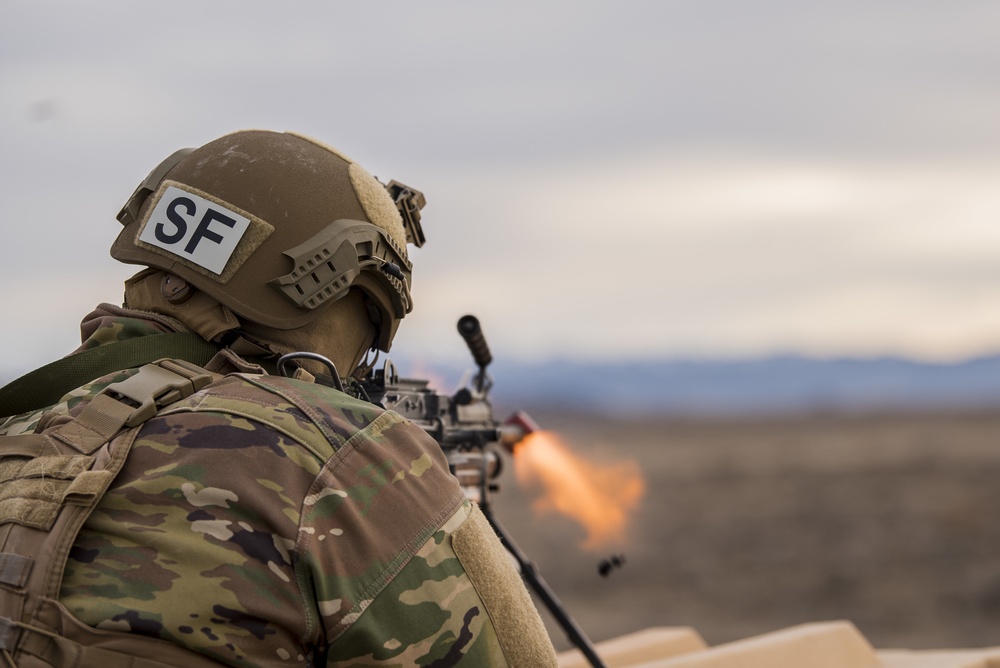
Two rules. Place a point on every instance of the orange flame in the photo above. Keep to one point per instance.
(599, 497)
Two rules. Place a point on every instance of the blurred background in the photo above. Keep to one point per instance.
(751, 248)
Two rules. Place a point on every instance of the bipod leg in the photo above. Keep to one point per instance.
(541, 587)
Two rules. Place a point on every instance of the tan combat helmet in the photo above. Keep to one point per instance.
(276, 227)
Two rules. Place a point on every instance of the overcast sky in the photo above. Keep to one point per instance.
(604, 180)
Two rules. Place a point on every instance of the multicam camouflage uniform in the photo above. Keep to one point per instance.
(265, 521)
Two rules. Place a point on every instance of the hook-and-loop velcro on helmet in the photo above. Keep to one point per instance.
(275, 226)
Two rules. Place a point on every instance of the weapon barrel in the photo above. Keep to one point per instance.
(515, 429)
(468, 327)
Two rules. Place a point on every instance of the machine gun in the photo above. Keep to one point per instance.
(473, 442)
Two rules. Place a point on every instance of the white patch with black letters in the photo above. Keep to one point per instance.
(194, 228)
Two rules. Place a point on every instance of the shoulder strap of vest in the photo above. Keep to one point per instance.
(46, 385)
(54, 480)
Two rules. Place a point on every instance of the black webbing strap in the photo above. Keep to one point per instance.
(47, 385)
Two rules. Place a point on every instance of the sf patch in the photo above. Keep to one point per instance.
(197, 230)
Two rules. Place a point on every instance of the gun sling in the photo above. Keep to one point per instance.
(46, 385)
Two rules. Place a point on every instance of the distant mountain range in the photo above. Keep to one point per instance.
(782, 384)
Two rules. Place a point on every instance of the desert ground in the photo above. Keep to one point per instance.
(749, 525)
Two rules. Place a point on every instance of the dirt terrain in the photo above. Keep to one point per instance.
(750, 525)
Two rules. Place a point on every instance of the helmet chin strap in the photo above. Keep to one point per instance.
(368, 362)
(346, 331)
(342, 332)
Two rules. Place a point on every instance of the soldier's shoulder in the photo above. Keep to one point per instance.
(304, 411)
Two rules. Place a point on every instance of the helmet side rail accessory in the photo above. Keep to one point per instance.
(130, 212)
(344, 254)
(409, 201)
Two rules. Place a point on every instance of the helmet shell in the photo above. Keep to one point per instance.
(223, 216)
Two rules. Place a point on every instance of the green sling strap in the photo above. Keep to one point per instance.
(47, 385)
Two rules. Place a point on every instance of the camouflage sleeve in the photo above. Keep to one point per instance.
(428, 615)
(380, 533)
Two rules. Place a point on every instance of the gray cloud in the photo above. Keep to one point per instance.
(529, 126)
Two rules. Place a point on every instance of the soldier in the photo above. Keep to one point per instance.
(168, 498)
